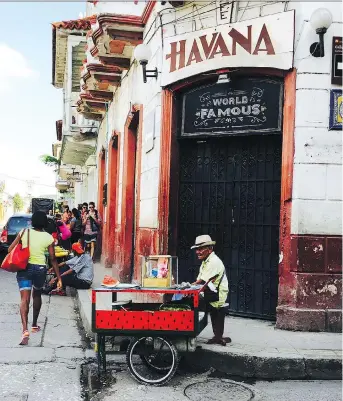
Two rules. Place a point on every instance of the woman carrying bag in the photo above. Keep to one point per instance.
(38, 241)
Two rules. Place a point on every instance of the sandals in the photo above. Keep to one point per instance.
(25, 338)
(58, 292)
(26, 335)
(35, 329)
(219, 341)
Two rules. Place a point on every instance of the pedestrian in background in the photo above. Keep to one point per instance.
(65, 215)
(34, 275)
(75, 226)
(84, 210)
(91, 223)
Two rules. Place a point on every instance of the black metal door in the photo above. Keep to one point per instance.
(230, 188)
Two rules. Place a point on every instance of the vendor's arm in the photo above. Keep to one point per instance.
(53, 280)
(67, 272)
(199, 282)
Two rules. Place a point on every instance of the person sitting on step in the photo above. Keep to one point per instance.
(77, 272)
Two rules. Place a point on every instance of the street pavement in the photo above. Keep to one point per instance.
(212, 386)
(49, 367)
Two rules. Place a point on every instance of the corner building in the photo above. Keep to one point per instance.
(231, 139)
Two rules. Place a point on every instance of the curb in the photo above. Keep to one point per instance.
(85, 309)
(240, 364)
(270, 368)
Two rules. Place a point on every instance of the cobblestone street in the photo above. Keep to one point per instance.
(49, 367)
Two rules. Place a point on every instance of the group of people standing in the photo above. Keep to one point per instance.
(81, 225)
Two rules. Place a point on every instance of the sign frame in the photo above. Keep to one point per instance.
(336, 58)
(227, 132)
(264, 42)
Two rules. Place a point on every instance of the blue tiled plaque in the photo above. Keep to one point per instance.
(336, 109)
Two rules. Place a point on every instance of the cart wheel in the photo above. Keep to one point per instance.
(155, 363)
(152, 360)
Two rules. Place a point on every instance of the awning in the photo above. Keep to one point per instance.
(61, 185)
(76, 152)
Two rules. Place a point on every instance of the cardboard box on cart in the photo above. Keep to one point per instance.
(159, 271)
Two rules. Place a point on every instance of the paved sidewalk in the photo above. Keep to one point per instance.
(257, 349)
(49, 367)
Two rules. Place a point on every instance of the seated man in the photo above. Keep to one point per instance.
(78, 272)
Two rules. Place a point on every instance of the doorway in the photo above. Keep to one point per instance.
(230, 188)
(126, 234)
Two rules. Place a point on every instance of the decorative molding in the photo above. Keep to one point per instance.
(165, 170)
(148, 10)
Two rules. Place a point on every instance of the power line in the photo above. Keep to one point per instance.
(22, 180)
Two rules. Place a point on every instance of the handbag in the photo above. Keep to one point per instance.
(211, 296)
(18, 258)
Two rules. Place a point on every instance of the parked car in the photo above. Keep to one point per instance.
(16, 223)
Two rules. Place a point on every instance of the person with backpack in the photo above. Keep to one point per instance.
(75, 226)
(91, 223)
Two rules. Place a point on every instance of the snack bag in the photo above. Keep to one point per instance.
(162, 268)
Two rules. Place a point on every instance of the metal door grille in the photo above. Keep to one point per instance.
(230, 188)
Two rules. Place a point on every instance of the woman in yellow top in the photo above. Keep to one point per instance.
(34, 275)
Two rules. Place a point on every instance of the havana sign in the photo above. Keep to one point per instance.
(261, 42)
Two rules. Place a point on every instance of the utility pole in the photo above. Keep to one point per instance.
(29, 184)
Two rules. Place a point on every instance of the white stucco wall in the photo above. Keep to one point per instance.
(317, 181)
(116, 7)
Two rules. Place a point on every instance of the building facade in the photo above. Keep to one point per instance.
(76, 136)
(231, 138)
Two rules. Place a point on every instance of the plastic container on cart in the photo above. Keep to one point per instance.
(159, 271)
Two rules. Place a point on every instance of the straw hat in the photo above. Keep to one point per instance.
(203, 240)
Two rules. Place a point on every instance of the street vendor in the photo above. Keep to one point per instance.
(212, 270)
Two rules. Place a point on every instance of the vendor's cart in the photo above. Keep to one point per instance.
(159, 332)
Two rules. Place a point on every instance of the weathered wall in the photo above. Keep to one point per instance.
(311, 294)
